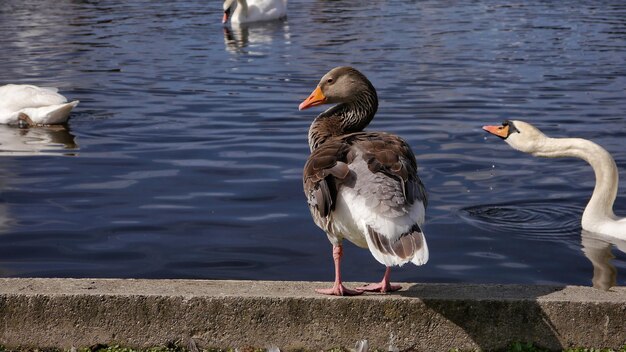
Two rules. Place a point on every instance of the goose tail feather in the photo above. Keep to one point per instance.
(408, 247)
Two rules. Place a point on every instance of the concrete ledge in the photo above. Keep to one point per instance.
(426, 317)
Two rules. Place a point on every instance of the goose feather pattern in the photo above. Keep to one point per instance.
(362, 186)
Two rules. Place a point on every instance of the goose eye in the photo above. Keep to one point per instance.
(330, 80)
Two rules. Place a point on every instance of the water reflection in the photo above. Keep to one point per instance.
(36, 141)
(246, 38)
(551, 221)
(191, 150)
(598, 249)
(5, 219)
(52, 140)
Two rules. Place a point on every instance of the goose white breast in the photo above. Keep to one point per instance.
(362, 186)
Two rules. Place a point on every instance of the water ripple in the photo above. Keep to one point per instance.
(187, 147)
(544, 221)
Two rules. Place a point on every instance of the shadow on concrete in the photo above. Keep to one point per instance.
(493, 316)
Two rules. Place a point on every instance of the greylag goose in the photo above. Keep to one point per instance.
(598, 216)
(32, 105)
(362, 186)
(246, 11)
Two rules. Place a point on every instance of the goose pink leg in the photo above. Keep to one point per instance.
(383, 286)
(338, 288)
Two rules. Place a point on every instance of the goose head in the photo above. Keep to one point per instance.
(519, 135)
(340, 85)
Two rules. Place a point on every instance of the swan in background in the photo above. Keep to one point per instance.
(246, 11)
(598, 216)
(362, 186)
(33, 105)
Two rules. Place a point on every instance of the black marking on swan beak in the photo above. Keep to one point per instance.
(512, 127)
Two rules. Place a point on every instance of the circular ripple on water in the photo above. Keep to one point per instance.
(545, 221)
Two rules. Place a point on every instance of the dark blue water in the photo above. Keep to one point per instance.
(184, 157)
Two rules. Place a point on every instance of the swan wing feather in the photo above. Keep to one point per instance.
(15, 97)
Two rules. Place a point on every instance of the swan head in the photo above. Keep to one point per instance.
(229, 7)
(519, 135)
(342, 84)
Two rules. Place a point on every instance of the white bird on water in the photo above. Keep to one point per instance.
(246, 11)
(598, 216)
(33, 105)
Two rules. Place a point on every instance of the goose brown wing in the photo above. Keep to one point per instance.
(392, 156)
(327, 167)
(324, 171)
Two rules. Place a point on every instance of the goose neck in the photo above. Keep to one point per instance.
(342, 119)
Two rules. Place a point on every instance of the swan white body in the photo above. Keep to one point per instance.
(43, 105)
(598, 216)
(246, 11)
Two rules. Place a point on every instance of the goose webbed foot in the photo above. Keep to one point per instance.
(338, 289)
(380, 287)
(383, 287)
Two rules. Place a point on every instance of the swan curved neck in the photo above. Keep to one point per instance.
(343, 118)
(600, 206)
(242, 9)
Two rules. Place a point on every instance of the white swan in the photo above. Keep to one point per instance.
(598, 215)
(246, 11)
(33, 105)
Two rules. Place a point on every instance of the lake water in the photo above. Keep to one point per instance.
(184, 157)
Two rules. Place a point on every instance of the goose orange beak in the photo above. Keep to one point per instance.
(316, 98)
(500, 131)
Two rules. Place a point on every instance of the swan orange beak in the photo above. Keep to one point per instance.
(316, 98)
(225, 18)
(500, 131)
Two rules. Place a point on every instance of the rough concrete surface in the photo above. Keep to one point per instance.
(68, 313)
